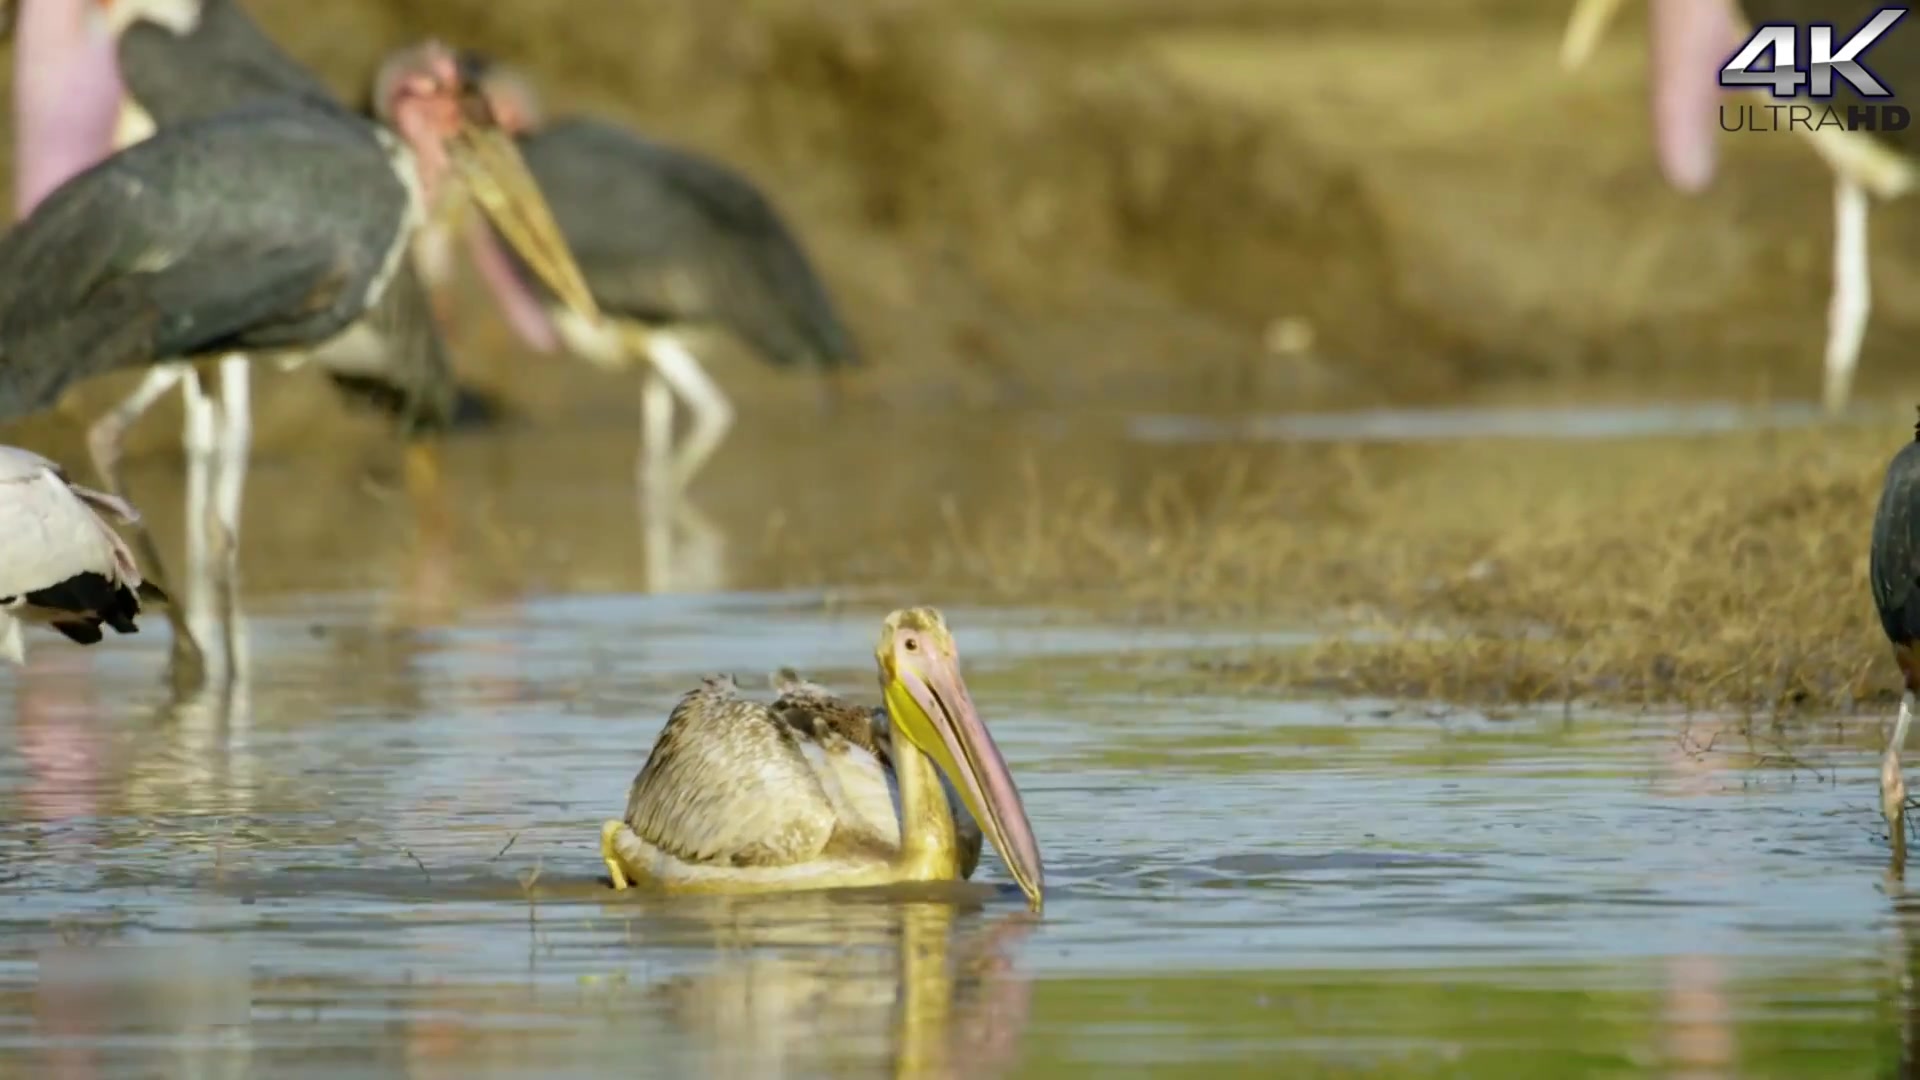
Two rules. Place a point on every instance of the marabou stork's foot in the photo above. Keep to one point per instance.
(1893, 804)
(616, 872)
(186, 664)
(1893, 783)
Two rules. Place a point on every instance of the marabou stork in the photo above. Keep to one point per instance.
(260, 215)
(1893, 571)
(669, 241)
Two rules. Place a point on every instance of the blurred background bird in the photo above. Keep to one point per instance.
(1690, 41)
(672, 243)
(61, 563)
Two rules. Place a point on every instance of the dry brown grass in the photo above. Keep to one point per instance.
(1708, 572)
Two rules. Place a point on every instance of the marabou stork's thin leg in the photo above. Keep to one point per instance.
(105, 442)
(712, 412)
(1852, 290)
(230, 483)
(201, 438)
(1893, 785)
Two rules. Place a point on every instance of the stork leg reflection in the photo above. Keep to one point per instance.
(685, 549)
(1852, 298)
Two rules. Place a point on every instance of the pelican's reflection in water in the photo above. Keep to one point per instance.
(818, 982)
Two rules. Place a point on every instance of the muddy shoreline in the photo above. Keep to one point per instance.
(1079, 211)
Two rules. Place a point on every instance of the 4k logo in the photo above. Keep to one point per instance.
(1785, 76)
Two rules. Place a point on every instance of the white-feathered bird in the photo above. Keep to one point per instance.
(61, 563)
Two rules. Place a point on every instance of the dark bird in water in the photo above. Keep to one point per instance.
(669, 242)
(812, 792)
(61, 563)
(1691, 40)
(248, 213)
(1894, 570)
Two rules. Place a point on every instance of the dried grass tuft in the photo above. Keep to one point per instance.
(1707, 572)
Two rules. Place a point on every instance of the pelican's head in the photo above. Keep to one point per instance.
(927, 702)
(424, 94)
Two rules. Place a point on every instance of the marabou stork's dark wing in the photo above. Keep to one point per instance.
(256, 230)
(664, 235)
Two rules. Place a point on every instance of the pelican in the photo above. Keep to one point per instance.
(61, 563)
(812, 792)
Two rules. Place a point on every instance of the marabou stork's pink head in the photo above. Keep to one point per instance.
(424, 94)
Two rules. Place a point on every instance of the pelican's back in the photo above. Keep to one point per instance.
(729, 783)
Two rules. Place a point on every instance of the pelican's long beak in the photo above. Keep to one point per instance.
(496, 175)
(929, 702)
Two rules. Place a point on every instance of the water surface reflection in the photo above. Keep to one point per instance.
(387, 835)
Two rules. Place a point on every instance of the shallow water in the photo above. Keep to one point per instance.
(1491, 422)
(379, 858)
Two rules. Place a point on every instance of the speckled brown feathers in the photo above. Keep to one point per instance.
(838, 727)
(812, 712)
(731, 783)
